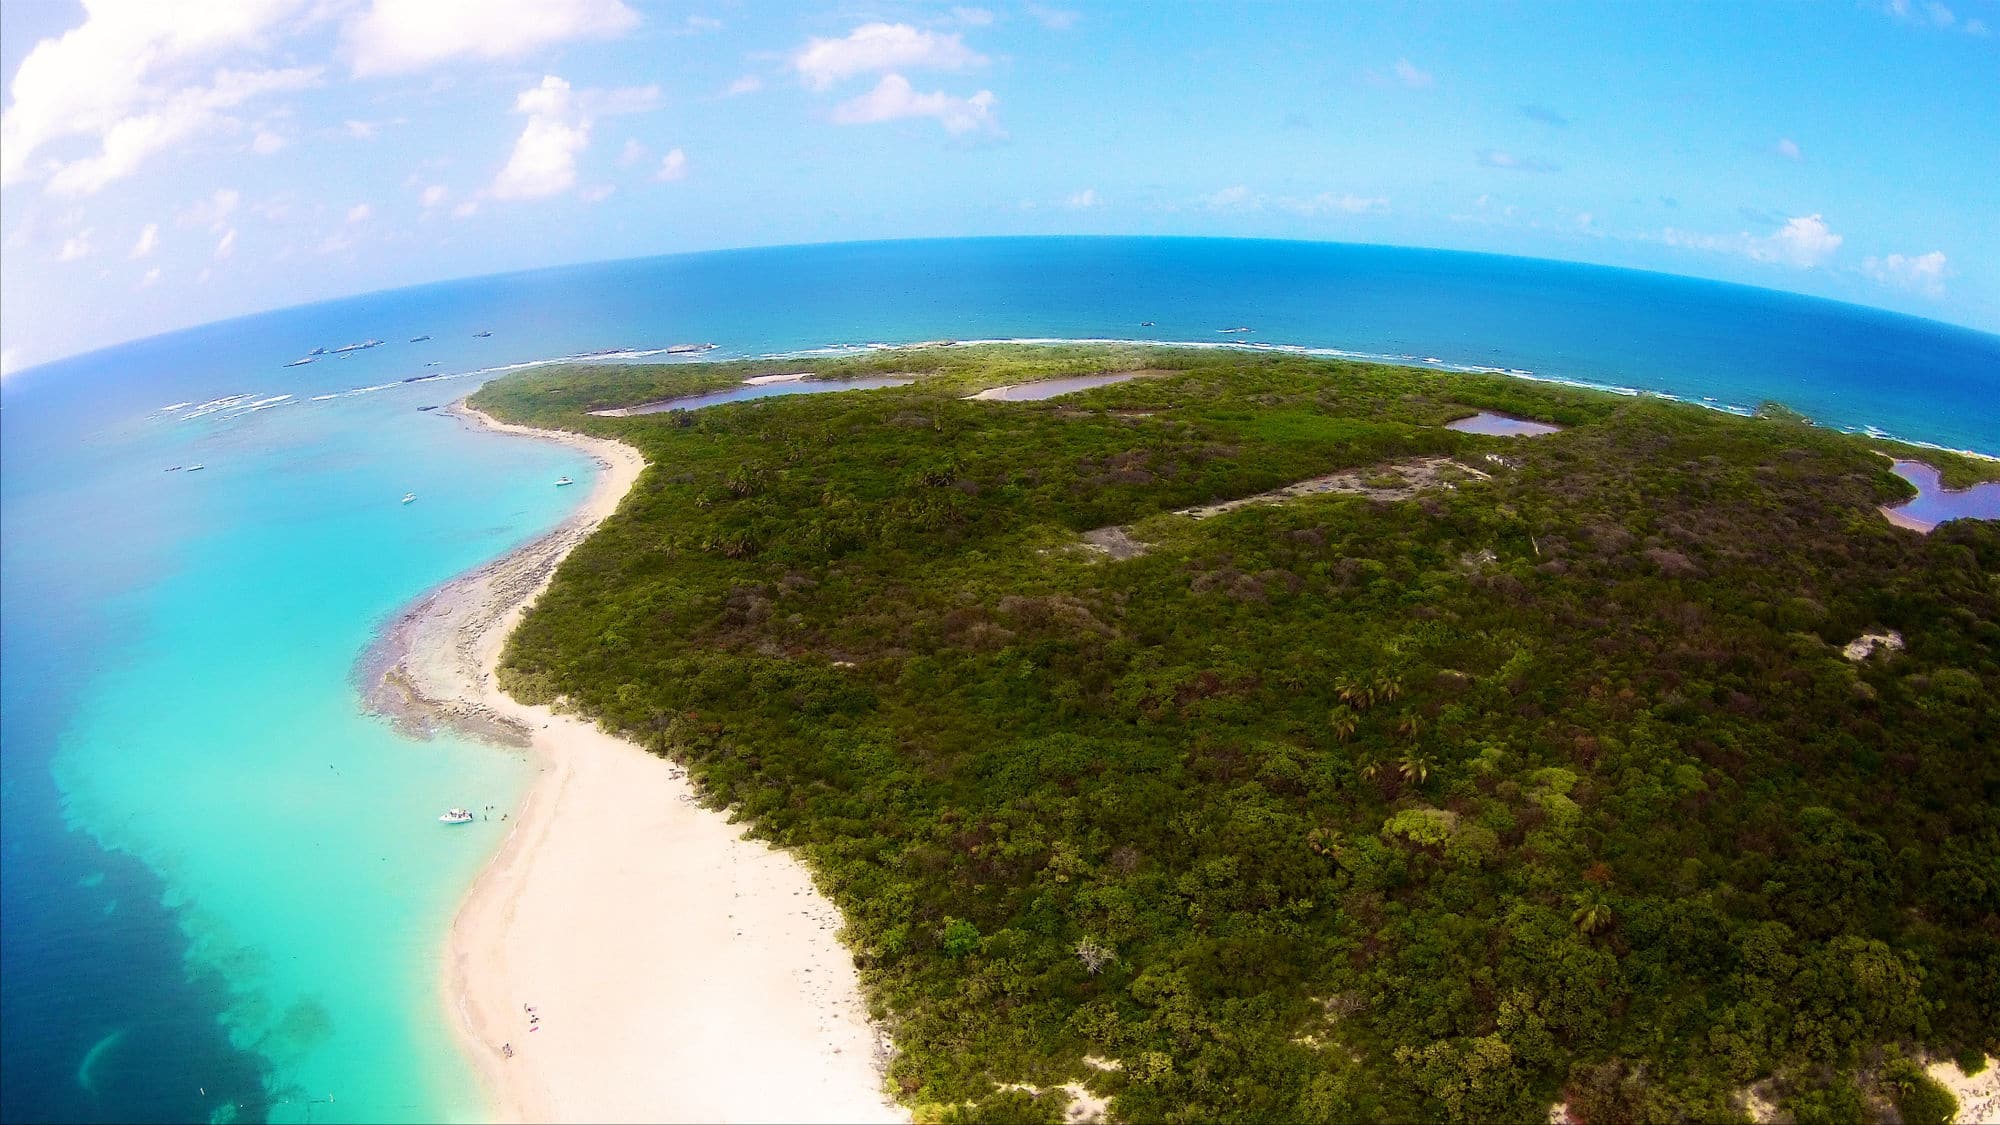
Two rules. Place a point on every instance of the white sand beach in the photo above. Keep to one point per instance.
(640, 959)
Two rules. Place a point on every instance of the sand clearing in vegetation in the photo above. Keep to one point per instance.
(675, 971)
(1396, 480)
(1978, 1094)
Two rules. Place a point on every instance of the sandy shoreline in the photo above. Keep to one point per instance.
(679, 972)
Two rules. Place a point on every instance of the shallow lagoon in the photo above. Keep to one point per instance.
(752, 390)
(1499, 425)
(1935, 504)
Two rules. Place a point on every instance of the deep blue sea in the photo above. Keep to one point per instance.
(225, 893)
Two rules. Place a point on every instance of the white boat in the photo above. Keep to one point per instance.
(194, 468)
(409, 497)
(456, 816)
(560, 481)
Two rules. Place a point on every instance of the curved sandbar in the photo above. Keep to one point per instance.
(679, 972)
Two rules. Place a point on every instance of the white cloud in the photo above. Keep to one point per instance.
(972, 17)
(360, 213)
(1055, 19)
(1495, 158)
(361, 130)
(1924, 273)
(1082, 200)
(1233, 198)
(881, 47)
(544, 158)
(1934, 15)
(466, 210)
(227, 245)
(150, 279)
(267, 142)
(10, 361)
(213, 211)
(631, 154)
(673, 166)
(435, 194)
(1408, 74)
(1805, 241)
(1789, 149)
(893, 99)
(543, 162)
(699, 25)
(133, 79)
(149, 239)
(623, 99)
(1327, 202)
(398, 36)
(334, 244)
(597, 194)
(75, 246)
(130, 141)
(748, 84)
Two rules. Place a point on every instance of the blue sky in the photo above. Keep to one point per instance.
(168, 164)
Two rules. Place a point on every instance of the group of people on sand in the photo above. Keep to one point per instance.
(534, 1024)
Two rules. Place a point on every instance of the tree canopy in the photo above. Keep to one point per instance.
(1546, 780)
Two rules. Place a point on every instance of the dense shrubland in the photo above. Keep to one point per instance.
(1549, 786)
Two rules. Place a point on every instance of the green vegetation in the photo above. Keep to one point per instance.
(1955, 470)
(1550, 785)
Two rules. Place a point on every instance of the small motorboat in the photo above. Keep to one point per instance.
(194, 468)
(560, 481)
(409, 497)
(456, 816)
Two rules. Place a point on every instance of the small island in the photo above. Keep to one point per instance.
(1460, 776)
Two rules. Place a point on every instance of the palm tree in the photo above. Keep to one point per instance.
(1415, 767)
(1592, 913)
(1343, 723)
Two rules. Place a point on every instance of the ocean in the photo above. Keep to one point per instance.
(225, 890)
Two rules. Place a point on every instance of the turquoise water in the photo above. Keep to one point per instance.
(224, 888)
(216, 739)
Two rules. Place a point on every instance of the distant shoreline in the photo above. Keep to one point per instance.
(625, 355)
(677, 971)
